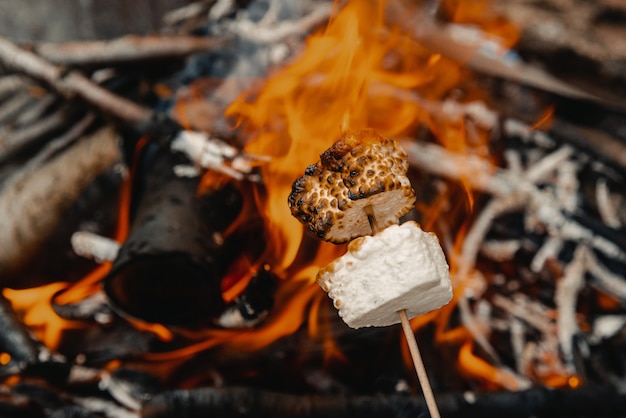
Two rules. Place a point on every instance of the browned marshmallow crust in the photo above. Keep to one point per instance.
(359, 169)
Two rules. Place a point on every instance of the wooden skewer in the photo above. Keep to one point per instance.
(418, 363)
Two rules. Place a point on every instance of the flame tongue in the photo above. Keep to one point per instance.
(347, 78)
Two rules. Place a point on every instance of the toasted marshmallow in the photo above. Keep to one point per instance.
(402, 267)
(361, 169)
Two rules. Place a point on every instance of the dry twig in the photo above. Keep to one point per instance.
(131, 48)
(71, 84)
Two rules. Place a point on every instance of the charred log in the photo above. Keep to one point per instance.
(72, 412)
(250, 402)
(253, 304)
(15, 340)
(168, 270)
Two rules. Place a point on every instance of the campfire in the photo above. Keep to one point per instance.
(151, 267)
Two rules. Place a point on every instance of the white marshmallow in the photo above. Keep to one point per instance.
(402, 267)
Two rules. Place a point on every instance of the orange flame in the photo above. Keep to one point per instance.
(474, 366)
(347, 78)
(481, 13)
(36, 307)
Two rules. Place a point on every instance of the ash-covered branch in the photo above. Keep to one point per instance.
(32, 206)
(544, 207)
(128, 49)
(93, 246)
(71, 84)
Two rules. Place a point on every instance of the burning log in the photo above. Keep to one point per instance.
(175, 235)
(32, 204)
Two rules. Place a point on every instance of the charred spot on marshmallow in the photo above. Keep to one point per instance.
(358, 170)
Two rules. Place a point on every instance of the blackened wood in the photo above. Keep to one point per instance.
(169, 269)
(28, 356)
(72, 412)
(253, 304)
(251, 402)
(15, 340)
(20, 408)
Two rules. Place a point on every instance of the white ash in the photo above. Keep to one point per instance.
(606, 326)
(477, 327)
(185, 170)
(476, 235)
(549, 250)
(214, 154)
(514, 192)
(567, 186)
(545, 167)
(105, 407)
(607, 205)
(526, 314)
(518, 341)
(232, 318)
(402, 267)
(514, 161)
(544, 184)
(605, 280)
(566, 297)
(83, 375)
(187, 12)
(95, 247)
(500, 250)
(266, 31)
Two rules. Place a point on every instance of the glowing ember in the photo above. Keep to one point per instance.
(35, 306)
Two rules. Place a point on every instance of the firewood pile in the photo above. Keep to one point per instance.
(146, 270)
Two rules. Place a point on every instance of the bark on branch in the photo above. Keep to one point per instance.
(72, 84)
(127, 49)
